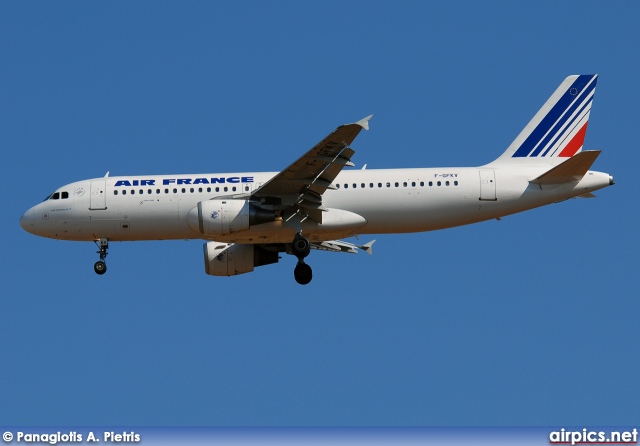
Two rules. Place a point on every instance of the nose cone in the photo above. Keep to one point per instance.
(27, 221)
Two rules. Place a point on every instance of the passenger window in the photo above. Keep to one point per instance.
(217, 189)
(226, 189)
(233, 188)
(133, 191)
(246, 188)
(404, 184)
(370, 184)
(455, 183)
(184, 190)
(115, 192)
(379, 184)
(446, 183)
(346, 186)
(439, 183)
(149, 191)
(158, 191)
(397, 184)
(430, 183)
(191, 190)
(175, 190)
(337, 186)
(141, 191)
(166, 191)
(421, 183)
(208, 189)
(388, 184)
(413, 184)
(355, 185)
(362, 185)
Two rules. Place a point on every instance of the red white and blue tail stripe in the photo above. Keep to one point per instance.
(557, 131)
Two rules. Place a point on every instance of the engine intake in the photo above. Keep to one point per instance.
(222, 217)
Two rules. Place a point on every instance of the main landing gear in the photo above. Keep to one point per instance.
(100, 267)
(301, 248)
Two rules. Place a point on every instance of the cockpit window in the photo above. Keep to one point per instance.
(57, 196)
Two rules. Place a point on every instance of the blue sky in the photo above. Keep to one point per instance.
(532, 320)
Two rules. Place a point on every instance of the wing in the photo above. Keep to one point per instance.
(302, 184)
(342, 246)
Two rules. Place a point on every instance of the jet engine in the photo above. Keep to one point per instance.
(223, 259)
(222, 217)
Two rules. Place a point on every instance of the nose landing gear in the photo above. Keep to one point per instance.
(301, 248)
(100, 267)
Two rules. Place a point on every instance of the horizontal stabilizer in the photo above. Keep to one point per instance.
(571, 170)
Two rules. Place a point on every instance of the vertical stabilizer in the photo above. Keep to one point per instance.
(557, 131)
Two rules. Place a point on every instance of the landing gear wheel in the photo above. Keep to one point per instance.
(303, 273)
(300, 246)
(100, 267)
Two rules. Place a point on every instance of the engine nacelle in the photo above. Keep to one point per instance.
(222, 217)
(223, 259)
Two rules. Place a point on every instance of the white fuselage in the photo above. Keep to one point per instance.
(389, 200)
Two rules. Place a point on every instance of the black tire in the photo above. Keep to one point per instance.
(300, 246)
(303, 273)
(100, 267)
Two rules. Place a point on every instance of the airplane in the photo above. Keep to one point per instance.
(247, 219)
